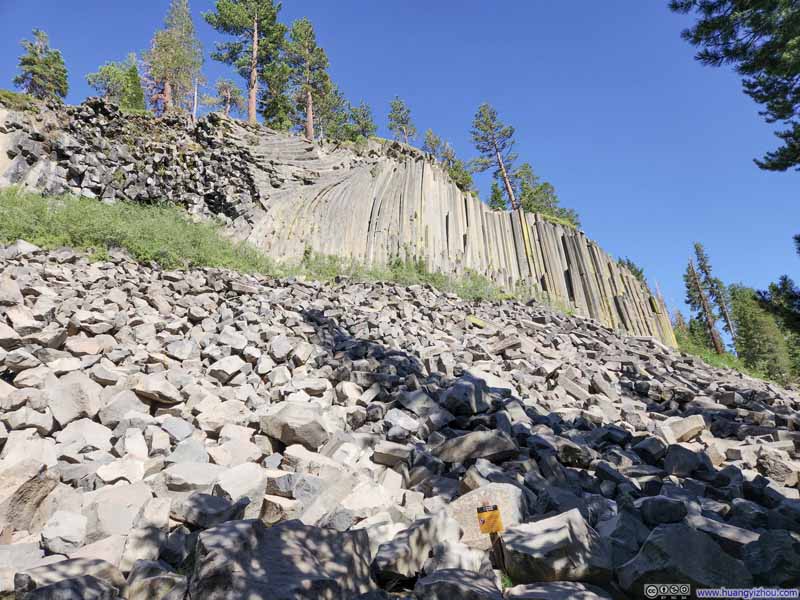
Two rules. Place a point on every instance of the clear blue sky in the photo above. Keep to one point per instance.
(652, 149)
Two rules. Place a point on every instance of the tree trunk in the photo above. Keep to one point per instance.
(227, 105)
(309, 115)
(509, 190)
(167, 96)
(709, 316)
(194, 102)
(251, 102)
(726, 316)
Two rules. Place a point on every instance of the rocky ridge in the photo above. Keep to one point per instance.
(372, 202)
(204, 434)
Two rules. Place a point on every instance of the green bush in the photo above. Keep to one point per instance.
(721, 361)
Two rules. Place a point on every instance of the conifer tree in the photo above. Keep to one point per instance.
(456, 168)
(42, 72)
(497, 200)
(537, 196)
(761, 39)
(714, 287)
(258, 40)
(495, 142)
(275, 102)
(759, 342)
(432, 144)
(229, 97)
(400, 123)
(362, 123)
(637, 272)
(119, 82)
(797, 242)
(308, 63)
(697, 299)
(174, 60)
(332, 112)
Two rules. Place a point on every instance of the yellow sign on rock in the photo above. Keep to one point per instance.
(489, 519)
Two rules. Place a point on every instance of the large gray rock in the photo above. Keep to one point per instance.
(296, 423)
(448, 584)
(402, 558)
(509, 500)
(561, 590)
(561, 548)
(245, 559)
(64, 532)
(74, 396)
(491, 445)
(774, 559)
(686, 556)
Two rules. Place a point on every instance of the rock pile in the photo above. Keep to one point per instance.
(210, 435)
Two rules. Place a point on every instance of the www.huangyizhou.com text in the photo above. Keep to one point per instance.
(748, 593)
(683, 591)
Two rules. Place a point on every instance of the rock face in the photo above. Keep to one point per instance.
(372, 203)
(146, 452)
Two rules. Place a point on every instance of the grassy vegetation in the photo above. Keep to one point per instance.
(16, 101)
(722, 361)
(164, 234)
(160, 233)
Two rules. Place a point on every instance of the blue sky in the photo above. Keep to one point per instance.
(652, 149)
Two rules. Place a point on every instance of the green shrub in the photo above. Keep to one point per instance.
(15, 101)
(708, 356)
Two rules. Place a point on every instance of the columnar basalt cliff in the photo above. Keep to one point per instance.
(372, 202)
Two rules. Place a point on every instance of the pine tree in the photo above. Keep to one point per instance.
(363, 125)
(42, 72)
(174, 60)
(716, 290)
(761, 39)
(759, 342)
(497, 201)
(133, 95)
(432, 144)
(275, 102)
(456, 168)
(635, 270)
(697, 299)
(400, 123)
(229, 97)
(332, 113)
(119, 82)
(797, 242)
(308, 63)
(259, 38)
(782, 301)
(495, 142)
(536, 196)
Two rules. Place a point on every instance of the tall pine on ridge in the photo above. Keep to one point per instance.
(259, 37)
(308, 65)
(174, 60)
(495, 143)
(42, 72)
(400, 123)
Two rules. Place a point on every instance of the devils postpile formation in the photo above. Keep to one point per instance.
(373, 202)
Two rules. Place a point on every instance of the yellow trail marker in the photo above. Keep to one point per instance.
(489, 519)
